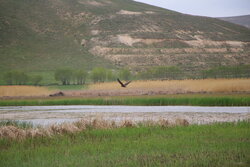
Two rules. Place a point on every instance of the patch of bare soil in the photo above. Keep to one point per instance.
(93, 3)
(201, 43)
(129, 41)
(126, 12)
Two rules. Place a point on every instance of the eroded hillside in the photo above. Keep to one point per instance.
(75, 33)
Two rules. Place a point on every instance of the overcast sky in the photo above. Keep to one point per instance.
(212, 8)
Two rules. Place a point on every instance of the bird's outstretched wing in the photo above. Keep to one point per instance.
(120, 82)
(127, 83)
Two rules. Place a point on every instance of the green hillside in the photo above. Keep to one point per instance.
(44, 35)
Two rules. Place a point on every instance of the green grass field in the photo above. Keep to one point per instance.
(219, 145)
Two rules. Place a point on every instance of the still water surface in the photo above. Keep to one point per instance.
(92, 108)
(44, 115)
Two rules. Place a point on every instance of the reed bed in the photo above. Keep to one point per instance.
(182, 86)
(15, 91)
(140, 100)
(13, 130)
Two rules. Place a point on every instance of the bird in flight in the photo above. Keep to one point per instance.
(123, 84)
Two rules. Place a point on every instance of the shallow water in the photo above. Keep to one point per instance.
(45, 115)
(91, 108)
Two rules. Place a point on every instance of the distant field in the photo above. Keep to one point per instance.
(217, 145)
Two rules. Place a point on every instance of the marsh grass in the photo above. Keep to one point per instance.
(199, 100)
(183, 86)
(219, 144)
(14, 91)
(17, 130)
(158, 86)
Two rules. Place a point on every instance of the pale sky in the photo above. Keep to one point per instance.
(211, 8)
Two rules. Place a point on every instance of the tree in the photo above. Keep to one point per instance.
(125, 74)
(167, 72)
(162, 72)
(110, 76)
(9, 78)
(16, 78)
(227, 72)
(80, 77)
(21, 78)
(64, 75)
(98, 74)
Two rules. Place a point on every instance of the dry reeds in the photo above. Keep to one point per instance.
(181, 122)
(15, 91)
(17, 133)
(182, 86)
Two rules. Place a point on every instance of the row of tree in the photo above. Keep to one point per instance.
(67, 76)
(99, 74)
(21, 78)
(162, 72)
(173, 72)
(242, 71)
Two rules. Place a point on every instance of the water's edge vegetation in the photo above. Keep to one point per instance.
(219, 144)
(143, 101)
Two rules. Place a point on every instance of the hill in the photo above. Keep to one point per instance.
(44, 35)
(241, 20)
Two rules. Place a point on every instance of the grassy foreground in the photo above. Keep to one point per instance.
(137, 100)
(226, 144)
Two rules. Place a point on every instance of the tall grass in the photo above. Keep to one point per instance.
(14, 91)
(17, 130)
(182, 86)
(145, 101)
(140, 87)
(215, 145)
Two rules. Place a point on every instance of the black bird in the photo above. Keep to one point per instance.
(122, 84)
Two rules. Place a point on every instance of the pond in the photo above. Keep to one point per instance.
(46, 115)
